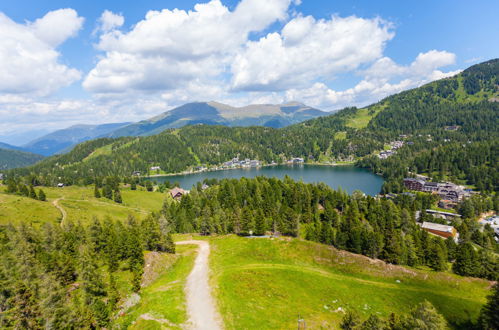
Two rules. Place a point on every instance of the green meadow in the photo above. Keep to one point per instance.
(269, 283)
(79, 204)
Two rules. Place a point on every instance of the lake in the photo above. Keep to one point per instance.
(349, 178)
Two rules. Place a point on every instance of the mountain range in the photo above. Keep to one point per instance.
(214, 113)
(454, 112)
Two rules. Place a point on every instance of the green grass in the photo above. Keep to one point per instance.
(266, 284)
(363, 116)
(340, 135)
(80, 205)
(17, 209)
(162, 304)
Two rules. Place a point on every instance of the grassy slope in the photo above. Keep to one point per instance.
(162, 303)
(79, 204)
(264, 284)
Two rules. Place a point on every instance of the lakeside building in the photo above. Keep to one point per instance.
(1, 176)
(446, 190)
(155, 168)
(177, 193)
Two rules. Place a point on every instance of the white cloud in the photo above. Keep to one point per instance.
(171, 47)
(109, 21)
(384, 77)
(29, 62)
(308, 49)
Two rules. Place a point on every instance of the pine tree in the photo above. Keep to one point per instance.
(149, 186)
(32, 193)
(373, 323)
(437, 255)
(489, 315)
(117, 196)
(425, 316)
(23, 190)
(260, 223)
(350, 321)
(466, 263)
(97, 192)
(133, 186)
(41, 196)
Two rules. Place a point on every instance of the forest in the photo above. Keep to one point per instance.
(67, 277)
(378, 228)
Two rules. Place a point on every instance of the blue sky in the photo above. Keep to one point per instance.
(74, 64)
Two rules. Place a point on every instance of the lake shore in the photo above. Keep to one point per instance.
(239, 168)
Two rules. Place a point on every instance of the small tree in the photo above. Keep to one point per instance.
(149, 185)
(425, 316)
(117, 196)
(107, 192)
(489, 316)
(350, 321)
(32, 193)
(373, 323)
(97, 192)
(133, 186)
(41, 196)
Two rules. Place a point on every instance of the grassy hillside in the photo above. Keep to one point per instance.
(15, 158)
(266, 283)
(79, 204)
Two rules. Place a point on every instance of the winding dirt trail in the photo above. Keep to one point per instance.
(55, 202)
(200, 304)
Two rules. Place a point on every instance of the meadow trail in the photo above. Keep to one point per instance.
(200, 304)
(55, 202)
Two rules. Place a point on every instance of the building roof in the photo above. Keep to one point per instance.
(176, 191)
(437, 227)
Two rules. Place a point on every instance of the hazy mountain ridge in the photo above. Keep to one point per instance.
(63, 140)
(215, 113)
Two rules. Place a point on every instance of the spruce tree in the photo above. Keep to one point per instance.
(374, 322)
(32, 193)
(117, 196)
(133, 186)
(466, 263)
(350, 321)
(425, 316)
(97, 192)
(489, 315)
(107, 192)
(41, 196)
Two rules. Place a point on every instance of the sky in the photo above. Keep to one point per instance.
(90, 62)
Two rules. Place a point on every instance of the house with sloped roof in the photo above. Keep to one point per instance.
(177, 193)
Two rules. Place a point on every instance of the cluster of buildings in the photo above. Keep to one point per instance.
(493, 221)
(235, 162)
(393, 147)
(448, 191)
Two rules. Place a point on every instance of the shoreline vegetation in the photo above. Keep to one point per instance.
(217, 169)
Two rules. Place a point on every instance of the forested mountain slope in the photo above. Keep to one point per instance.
(15, 158)
(458, 110)
(64, 139)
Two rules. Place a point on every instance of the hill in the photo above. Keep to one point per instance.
(14, 158)
(214, 113)
(423, 115)
(63, 140)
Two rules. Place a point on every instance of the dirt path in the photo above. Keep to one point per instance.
(63, 211)
(200, 304)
